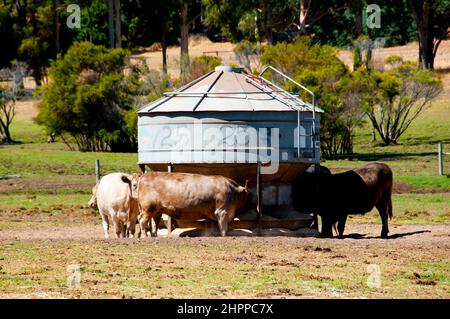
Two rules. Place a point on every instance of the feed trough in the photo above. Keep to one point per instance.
(232, 123)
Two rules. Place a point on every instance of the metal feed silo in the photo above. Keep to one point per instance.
(232, 123)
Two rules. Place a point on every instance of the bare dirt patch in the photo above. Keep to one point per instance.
(47, 183)
(89, 228)
(403, 188)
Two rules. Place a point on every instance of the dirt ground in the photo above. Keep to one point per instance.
(400, 235)
(413, 263)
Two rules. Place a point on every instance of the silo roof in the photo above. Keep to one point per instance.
(228, 90)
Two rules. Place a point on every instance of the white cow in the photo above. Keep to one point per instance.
(113, 199)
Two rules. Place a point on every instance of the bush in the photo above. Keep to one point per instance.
(248, 54)
(88, 98)
(317, 67)
(201, 65)
(397, 97)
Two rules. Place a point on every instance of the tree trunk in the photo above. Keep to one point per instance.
(304, 8)
(118, 24)
(423, 15)
(56, 6)
(268, 22)
(358, 18)
(111, 23)
(184, 27)
(164, 49)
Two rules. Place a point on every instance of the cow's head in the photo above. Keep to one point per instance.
(93, 201)
(133, 181)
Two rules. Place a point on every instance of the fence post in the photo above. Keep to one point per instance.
(97, 171)
(440, 161)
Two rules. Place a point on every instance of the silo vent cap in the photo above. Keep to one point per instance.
(227, 68)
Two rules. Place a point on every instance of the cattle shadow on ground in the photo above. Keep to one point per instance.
(394, 236)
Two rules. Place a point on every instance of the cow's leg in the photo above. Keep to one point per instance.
(383, 209)
(124, 229)
(154, 224)
(131, 229)
(327, 227)
(117, 227)
(143, 223)
(139, 217)
(105, 224)
(341, 225)
(131, 225)
(221, 215)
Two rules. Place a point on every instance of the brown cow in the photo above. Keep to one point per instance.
(187, 196)
(335, 196)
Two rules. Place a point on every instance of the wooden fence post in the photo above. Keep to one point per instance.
(440, 160)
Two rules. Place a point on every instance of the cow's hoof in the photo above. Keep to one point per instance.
(384, 235)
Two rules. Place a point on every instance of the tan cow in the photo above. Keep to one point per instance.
(115, 203)
(187, 196)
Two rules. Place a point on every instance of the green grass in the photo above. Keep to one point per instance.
(26, 131)
(42, 200)
(435, 183)
(414, 209)
(51, 159)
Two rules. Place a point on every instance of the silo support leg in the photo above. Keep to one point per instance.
(259, 194)
(169, 219)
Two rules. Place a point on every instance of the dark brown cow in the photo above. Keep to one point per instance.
(335, 196)
(187, 196)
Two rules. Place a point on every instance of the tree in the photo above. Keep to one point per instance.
(433, 22)
(398, 97)
(34, 26)
(184, 42)
(201, 65)
(111, 23)
(248, 54)
(317, 67)
(7, 112)
(88, 97)
(118, 24)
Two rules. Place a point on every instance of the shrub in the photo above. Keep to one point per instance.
(201, 65)
(88, 97)
(317, 67)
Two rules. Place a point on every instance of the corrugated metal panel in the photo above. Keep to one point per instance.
(221, 91)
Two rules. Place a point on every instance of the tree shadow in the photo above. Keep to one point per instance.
(394, 236)
(373, 157)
